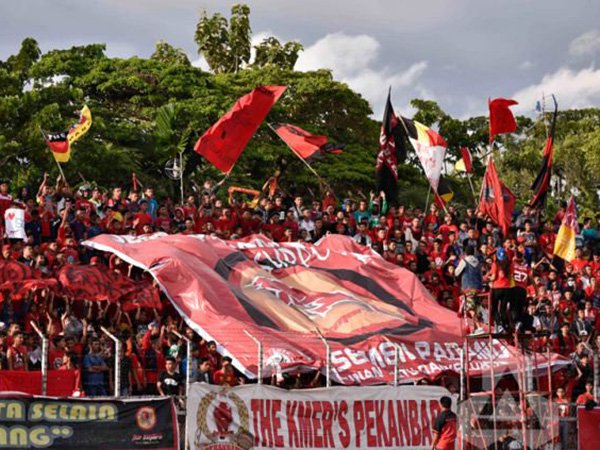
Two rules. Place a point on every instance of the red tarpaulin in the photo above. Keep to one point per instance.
(283, 293)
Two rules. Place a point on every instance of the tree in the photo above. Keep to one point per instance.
(21, 62)
(271, 52)
(225, 46)
(166, 53)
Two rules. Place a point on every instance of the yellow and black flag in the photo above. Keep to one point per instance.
(60, 143)
(444, 193)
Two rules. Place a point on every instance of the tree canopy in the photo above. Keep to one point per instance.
(147, 109)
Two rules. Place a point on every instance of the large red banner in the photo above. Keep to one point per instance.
(285, 294)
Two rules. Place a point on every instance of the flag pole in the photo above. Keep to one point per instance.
(472, 188)
(300, 157)
(427, 201)
(181, 176)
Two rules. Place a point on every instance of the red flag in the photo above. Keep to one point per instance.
(498, 207)
(501, 117)
(466, 157)
(300, 141)
(223, 143)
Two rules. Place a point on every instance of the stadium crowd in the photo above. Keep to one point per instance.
(458, 255)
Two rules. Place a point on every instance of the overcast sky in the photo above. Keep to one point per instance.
(457, 52)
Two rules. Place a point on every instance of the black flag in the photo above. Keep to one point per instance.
(391, 152)
(542, 181)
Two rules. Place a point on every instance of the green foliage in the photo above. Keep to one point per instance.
(271, 52)
(166, 53)
(147, 110)
(226, 45)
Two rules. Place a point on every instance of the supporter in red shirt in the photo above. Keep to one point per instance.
(447, 227)
(564, 343)
(163, 221)
(142, 217)
(274, 227)
(115, 200)
(17, 354)
(226, 375)
(189, 208)
(444, 429)
(588, 395)
(57, 353)
(579, 262)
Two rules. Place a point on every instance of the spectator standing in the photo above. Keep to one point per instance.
(94, 370)
(170, 382)
(444, 429)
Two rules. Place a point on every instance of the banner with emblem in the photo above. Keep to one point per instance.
(34, 422)
(281, 293)
(265, 417)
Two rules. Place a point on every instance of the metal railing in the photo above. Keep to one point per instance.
(117, 373)
(44, 357)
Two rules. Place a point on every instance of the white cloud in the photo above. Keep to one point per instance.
(352, 60)
(201, 63)
(586, 44)
(573, 89)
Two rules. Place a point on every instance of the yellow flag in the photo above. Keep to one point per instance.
(564, 247)
(80, 128)
(459, 166)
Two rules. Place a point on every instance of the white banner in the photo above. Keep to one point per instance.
(265, 417)
(14, 221)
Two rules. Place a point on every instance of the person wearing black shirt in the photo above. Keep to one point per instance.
(169, 381)
(204, 374)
